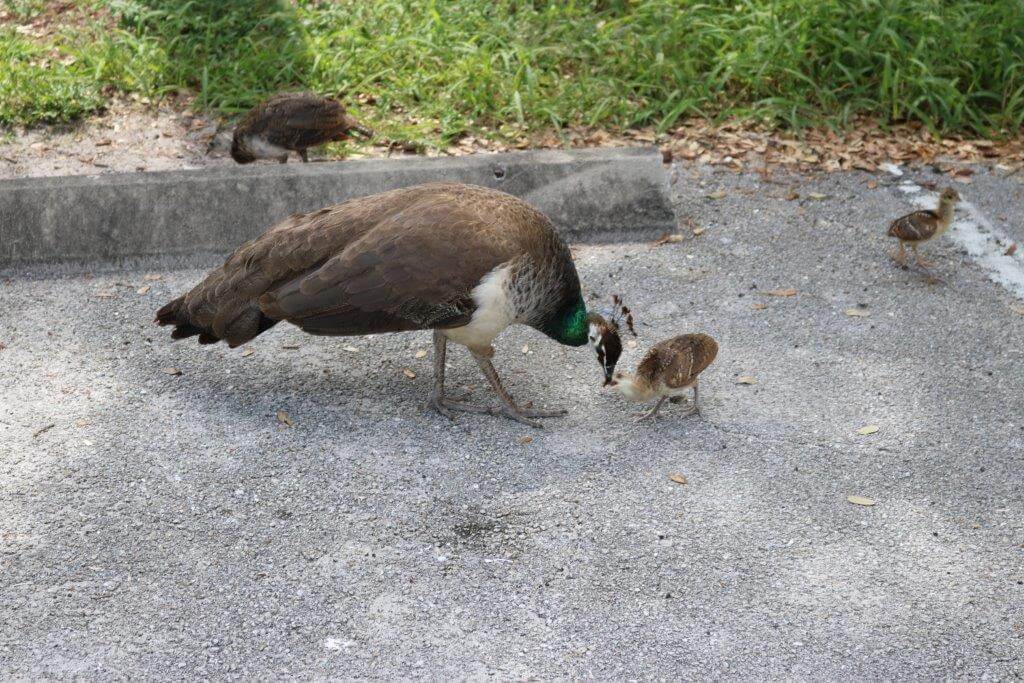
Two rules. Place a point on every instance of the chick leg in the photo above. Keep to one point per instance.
(653, 412)
(900, 256)
(920, 261)
(695, 408)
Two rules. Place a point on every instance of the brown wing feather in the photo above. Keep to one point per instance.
(676, 362)
(914, 227)
(399, 272)
(373, 264)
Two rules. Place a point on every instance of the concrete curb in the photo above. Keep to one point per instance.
(589, 194)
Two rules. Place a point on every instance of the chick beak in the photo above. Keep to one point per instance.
(361, 130)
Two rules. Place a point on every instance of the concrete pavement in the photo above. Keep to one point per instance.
(159, 526)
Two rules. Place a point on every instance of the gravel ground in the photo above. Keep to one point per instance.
(171, 526)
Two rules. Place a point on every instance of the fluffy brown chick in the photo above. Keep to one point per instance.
(669, 369)
(922, 226)
(290, 122)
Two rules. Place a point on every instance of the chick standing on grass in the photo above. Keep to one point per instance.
(288, 122)
(921, 226)
(669, 369)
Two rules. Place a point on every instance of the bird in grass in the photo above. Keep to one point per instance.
(285, 123)
(463, 261)
(670, 369)
(922, 226)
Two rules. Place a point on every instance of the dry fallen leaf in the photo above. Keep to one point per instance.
(717, 194)
(1018, 309)
(284, 418)
(678, 478)
(745, 379)
(1011, 250)
(816, 195)
(793, 194)
(857, 312)
(420, 354)
(152, 278)
(142, 290)
(81, 423)
(247, 352)
(872, 184)
(350, 349)
(526, 348)
(867, 429)
(760, 307)
(172, 371)
(860, 500)
(782, 292)
(668, 239)
(698, 230)
(290, 347)
(409, 373)
(631, 343)
(43, 429)
(525, 439)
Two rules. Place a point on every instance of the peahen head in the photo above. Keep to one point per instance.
(604, 336)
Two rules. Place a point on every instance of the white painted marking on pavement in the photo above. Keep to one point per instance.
(982, 241)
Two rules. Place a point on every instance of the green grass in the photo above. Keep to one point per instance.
(438, 69)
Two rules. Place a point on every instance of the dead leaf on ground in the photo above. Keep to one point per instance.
(698, 230)
(745, 379)
(420, 354)
(152, 277)
(867, 429)
(172, 371)
(350, 349)
(860, 500)
(793, 194)
(105, 295)
(1017, 308)
(103, 142)
(760, 306)
(526, 348)
(42, 430)
(857, 312)
(408, 373)
(142, 290)
(1011, 250)
(285, 419)
(668, 239)
(81, 423)
(872, 184)
(717, 194)
(631, 344)
(816, 195)
(678, 478)
(789, 291)
(289, 347)
(247, 352)
(525, 439)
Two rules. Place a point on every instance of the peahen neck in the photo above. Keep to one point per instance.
(568, 325)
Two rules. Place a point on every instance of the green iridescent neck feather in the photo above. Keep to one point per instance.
(569, 325)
